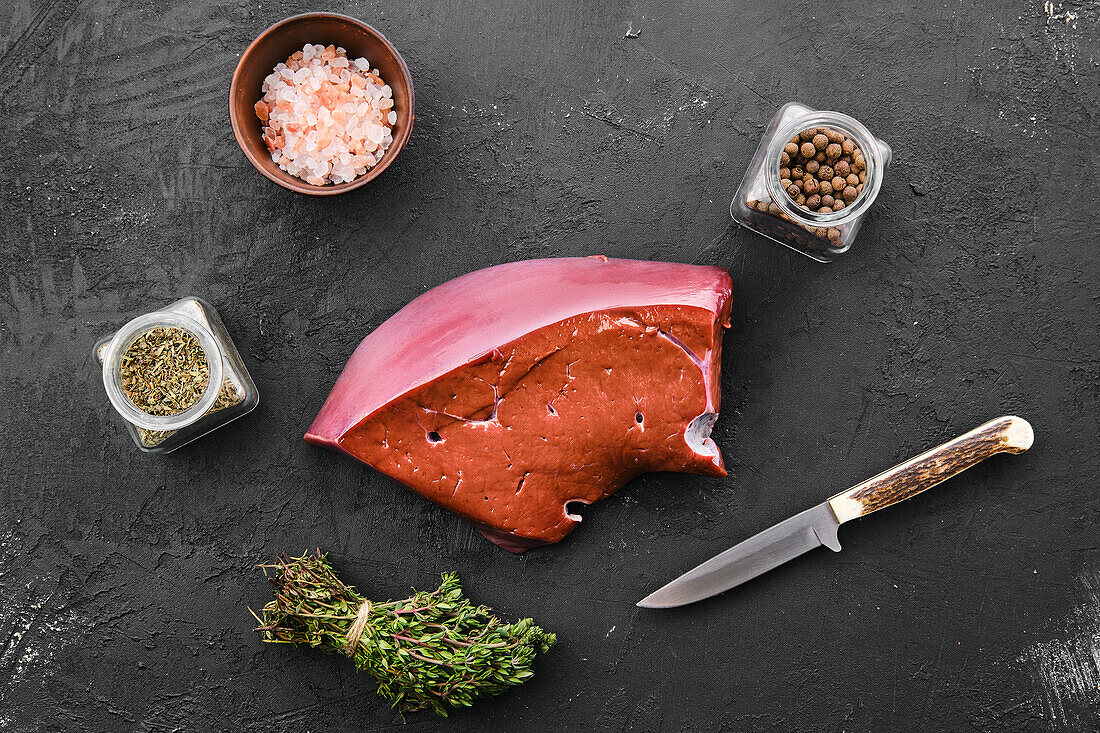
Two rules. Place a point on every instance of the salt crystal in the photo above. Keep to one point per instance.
(328, 116)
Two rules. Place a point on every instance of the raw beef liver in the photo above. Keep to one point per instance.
(509, 392)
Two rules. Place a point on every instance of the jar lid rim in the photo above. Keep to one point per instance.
(142, 324)
(872, 155)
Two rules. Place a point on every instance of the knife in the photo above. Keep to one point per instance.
(818, 526)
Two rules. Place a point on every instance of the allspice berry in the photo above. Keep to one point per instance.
(822, 170)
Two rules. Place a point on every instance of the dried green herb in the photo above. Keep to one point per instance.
(431, 651)
(228, 396)
(164, 371)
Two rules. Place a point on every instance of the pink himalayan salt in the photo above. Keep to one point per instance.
(327, 118)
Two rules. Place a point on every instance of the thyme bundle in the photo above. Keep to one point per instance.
(431, 651)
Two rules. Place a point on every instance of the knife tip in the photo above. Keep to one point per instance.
(651, 602)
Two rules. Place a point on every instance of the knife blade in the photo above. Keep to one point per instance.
(818, 526)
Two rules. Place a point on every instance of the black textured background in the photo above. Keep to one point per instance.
(549, 129)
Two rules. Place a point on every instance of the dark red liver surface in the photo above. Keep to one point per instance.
(508, 392)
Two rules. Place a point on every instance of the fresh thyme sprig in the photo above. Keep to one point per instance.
(431, 651)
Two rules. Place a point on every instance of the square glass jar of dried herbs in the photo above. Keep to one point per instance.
(174, 375)
(812, 181)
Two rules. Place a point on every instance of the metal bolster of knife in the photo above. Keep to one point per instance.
(1008, 434)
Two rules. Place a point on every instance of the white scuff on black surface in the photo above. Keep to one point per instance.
(1066, 667)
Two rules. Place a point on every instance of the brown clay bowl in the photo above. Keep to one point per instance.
(276, 44)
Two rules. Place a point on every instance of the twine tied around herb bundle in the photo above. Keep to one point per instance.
(356, 629)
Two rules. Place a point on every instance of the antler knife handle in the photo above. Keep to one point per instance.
(1008, 434)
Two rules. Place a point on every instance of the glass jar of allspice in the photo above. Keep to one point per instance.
(812, 181)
